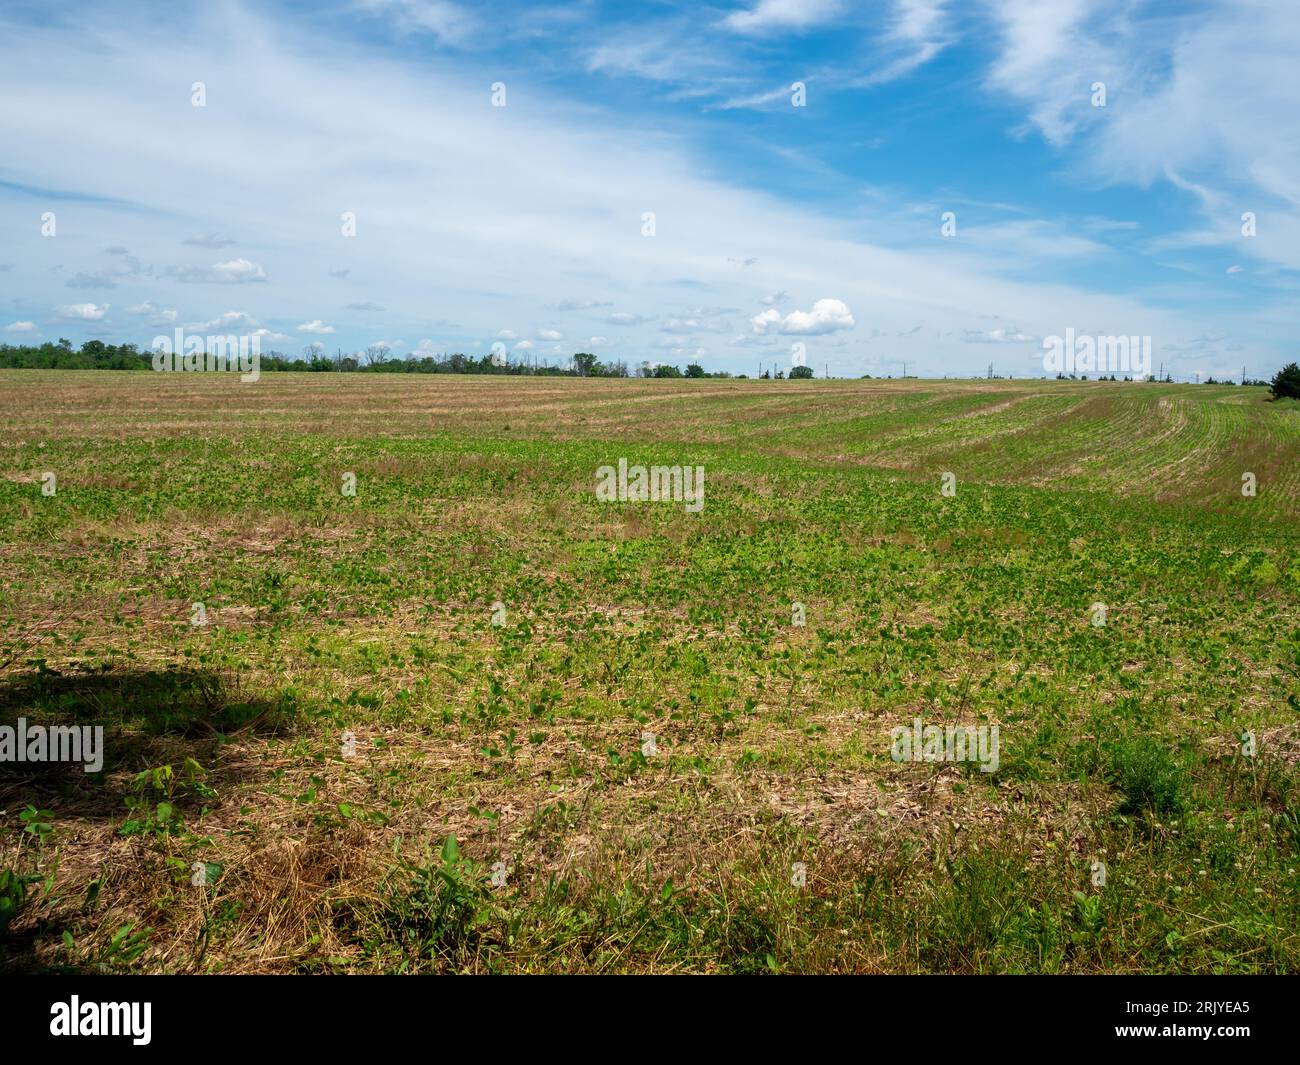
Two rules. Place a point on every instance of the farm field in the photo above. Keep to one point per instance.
(638, 761)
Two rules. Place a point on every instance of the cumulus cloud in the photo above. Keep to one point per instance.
(1010, 335)
(680, 325)
(84, 312)
(549, 334)
(826, 316)
(231, 320)
(273, 337)
(157, 315)
(21, 327)
(232, 272)
(315, 326)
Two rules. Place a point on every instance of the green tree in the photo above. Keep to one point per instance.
(1286, 382)
(695, 370)
(800, 372)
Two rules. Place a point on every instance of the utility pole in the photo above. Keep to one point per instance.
(1243, 375)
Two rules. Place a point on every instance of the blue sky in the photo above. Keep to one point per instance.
(774, 224)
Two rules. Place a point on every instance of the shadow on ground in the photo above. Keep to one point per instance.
(150, 718)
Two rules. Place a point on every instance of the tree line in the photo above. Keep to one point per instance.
(96, 355)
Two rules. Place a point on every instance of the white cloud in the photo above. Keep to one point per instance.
(157, 315)
(1203, 98)
(507, 334)
(448, 22)
(238, 271)
(273, 337)
(597, 341)
(770, 15)
(231, 320)
(315, 326)
(209, 240)
(919, 30)
(999, 336)
(549, 334)
(21, 327)
(578, 305)
(233, 272)
(783, 93)
(826, 316)
(524, 345)
(84, 312)
(680, 325)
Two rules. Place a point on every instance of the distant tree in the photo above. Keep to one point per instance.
(800, 373)
(664, 370)
(377, 354)
(695, 370)
(1286, 382)
(584, 362)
